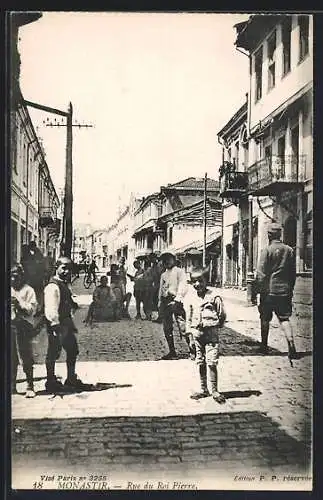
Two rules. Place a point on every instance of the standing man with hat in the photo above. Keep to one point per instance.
(275, 279)
(172, 290)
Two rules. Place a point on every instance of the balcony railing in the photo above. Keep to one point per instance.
(47, 217)
(275, 174)
(233, 184)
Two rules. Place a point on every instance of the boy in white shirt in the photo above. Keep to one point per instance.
(206, 316)
(23, 309)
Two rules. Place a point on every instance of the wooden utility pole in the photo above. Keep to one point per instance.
(204, 221)
(68, 194)
(67, 236)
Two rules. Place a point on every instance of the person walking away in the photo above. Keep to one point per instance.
(23, 310)
(117, 282)
(103, 306)
(139, 287)
(172, 290)
(123, 281)
(275, 281)
(61, 330)
(157, 270)
(35, 268)
(91, 270)
(203, 324)
(148, 289)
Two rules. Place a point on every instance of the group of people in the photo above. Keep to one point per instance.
(161, 284)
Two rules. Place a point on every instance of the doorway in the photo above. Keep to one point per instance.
(290, 231)
(295, 153)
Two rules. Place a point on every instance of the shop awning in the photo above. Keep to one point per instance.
(196, 247)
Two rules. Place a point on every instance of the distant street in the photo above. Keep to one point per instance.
(142, 419)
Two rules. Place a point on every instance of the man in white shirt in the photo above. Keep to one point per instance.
(61, 330)
(23, 310)
(172, 290)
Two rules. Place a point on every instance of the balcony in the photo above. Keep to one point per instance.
(47, 217)
(233, 184)
(276, 174)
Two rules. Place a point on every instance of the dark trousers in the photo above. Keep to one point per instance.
(169, 313)
(144, 297)
(62, 338)
(22, 334)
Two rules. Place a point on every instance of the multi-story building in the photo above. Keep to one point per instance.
(173, 219)
(80, 233)
(235, 210)
(34, 202)
(147, 239)
(48, 208)
(279, 132)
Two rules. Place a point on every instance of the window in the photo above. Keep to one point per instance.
(271, 60)
(170, 236)
(286, 38)
(24, 164)
(14, 155)
(14, 240)
(258, 74)
(237, 155)
(308, 232)
(281, 145)
(303, 23)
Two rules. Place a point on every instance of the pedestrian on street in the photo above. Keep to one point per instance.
(172, 290)
(123, 281)
(203, 323)
(35, 271)
(23, 310)
(148, 291)
(157, 270)
(91, 270)
(118, 280)
(61, 330)
(139, 287)
(275, 281)
(103, 306)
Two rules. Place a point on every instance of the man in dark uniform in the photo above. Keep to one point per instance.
(61, 330)
(35, 270)
(157, 270)
(91, 270)
(275, 280)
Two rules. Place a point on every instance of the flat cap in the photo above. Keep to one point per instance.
(166, 255)
(198, 273)
(274, 227)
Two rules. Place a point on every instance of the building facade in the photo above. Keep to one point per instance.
(173, 219)
(80, 234)
(34, 201)
(235, 151)
(279, 133)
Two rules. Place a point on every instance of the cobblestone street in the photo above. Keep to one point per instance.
(141, 423)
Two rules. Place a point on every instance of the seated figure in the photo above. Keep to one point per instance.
(104, 304)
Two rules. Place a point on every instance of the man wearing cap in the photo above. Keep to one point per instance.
(61, 330)
(23, 310)
(275, 280)
(205, 317)
(157, 269)
(172, 290)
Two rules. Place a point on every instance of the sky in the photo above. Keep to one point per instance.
(156, 87)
